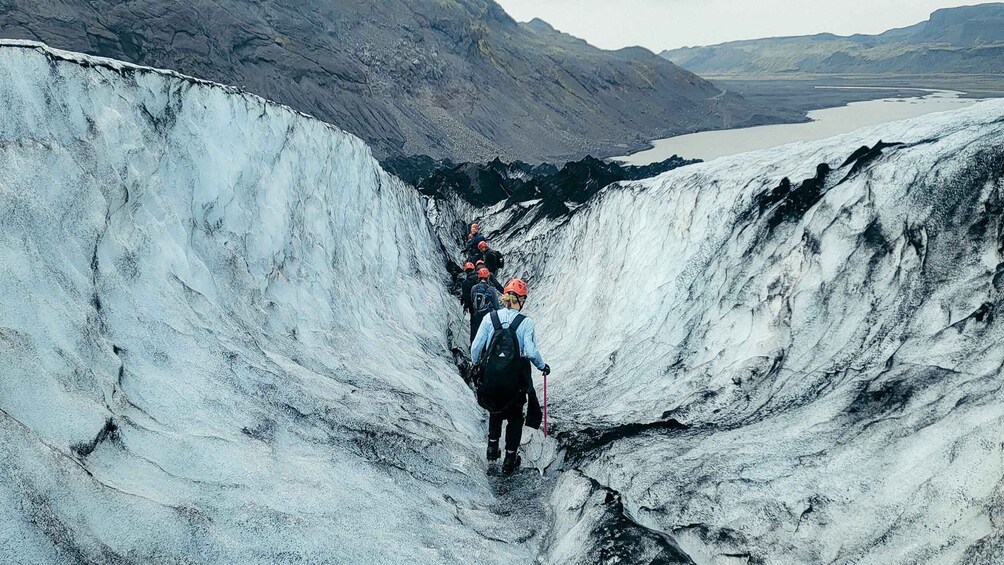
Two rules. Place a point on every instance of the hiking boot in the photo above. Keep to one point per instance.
(511, 463)
(493, 450)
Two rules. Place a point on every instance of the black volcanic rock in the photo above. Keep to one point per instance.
(481, 185)
(486, 184)
(454, 78)
(415, 169)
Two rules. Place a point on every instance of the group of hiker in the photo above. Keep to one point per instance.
(503, 346)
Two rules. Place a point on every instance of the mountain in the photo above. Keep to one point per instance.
(455, 78)
(963, 40)
(226, 337)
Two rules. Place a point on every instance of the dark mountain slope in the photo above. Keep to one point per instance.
(453, 78)
(964, 40)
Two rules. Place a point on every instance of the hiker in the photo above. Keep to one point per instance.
(491, 276)
(484, 299)
(474, 239)
(493, 258)
(503, 349)
(471, 279)
(472, 246)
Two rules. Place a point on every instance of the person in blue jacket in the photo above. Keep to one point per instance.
(513, 298)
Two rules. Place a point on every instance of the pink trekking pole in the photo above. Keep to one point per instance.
(545, 404)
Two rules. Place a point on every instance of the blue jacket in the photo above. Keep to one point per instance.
(524, 333)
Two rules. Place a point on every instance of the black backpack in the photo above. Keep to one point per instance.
(481, 298)
(502, 367)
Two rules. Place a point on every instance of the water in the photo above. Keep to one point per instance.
(826, 123)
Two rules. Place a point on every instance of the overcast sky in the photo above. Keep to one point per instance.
(667, 24)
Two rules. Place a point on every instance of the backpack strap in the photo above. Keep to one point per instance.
(496, 323)
(514, 325)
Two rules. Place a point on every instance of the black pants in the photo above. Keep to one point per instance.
(513, 428)
(475, 324)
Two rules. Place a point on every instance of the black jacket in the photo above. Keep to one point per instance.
(493, 260)
(465, 289)
(472, 245)
(495, 282)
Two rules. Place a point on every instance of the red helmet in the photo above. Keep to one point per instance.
(470, 236)
(480, 262)
(483, 273)
(483, 245)
(474, 228)
(469, 266)
(517, 287)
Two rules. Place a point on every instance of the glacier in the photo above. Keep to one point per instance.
(227, 336)
(789, 356)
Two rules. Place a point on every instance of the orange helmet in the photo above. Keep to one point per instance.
(480, 262)
(517, 287)
(483, 245)
(469, 266)
(483, 273)
(474, 228)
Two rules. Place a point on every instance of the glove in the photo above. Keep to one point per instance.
(546, 370)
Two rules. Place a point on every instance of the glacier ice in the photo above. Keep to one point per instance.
(225, 337)
(791, 355)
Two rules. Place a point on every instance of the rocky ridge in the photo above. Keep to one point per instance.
(458, 79)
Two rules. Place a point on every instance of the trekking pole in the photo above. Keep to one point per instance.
(545, 404)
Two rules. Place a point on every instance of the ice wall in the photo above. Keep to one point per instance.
(223, 335)
(789, 371)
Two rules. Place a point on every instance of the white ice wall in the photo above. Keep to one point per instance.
(840, 375)
(254, 308)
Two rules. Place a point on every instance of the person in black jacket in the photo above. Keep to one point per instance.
(473, 246)
(491, 276)
(466, 286)
(484, 299)
(492, 257)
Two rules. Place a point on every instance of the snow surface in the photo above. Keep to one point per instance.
(225, 337)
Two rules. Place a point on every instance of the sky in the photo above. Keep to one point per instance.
(668, 24)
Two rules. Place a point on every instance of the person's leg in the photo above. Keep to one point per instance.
(514, 427)
(494, 427)
(475, 323)
(494, 431)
